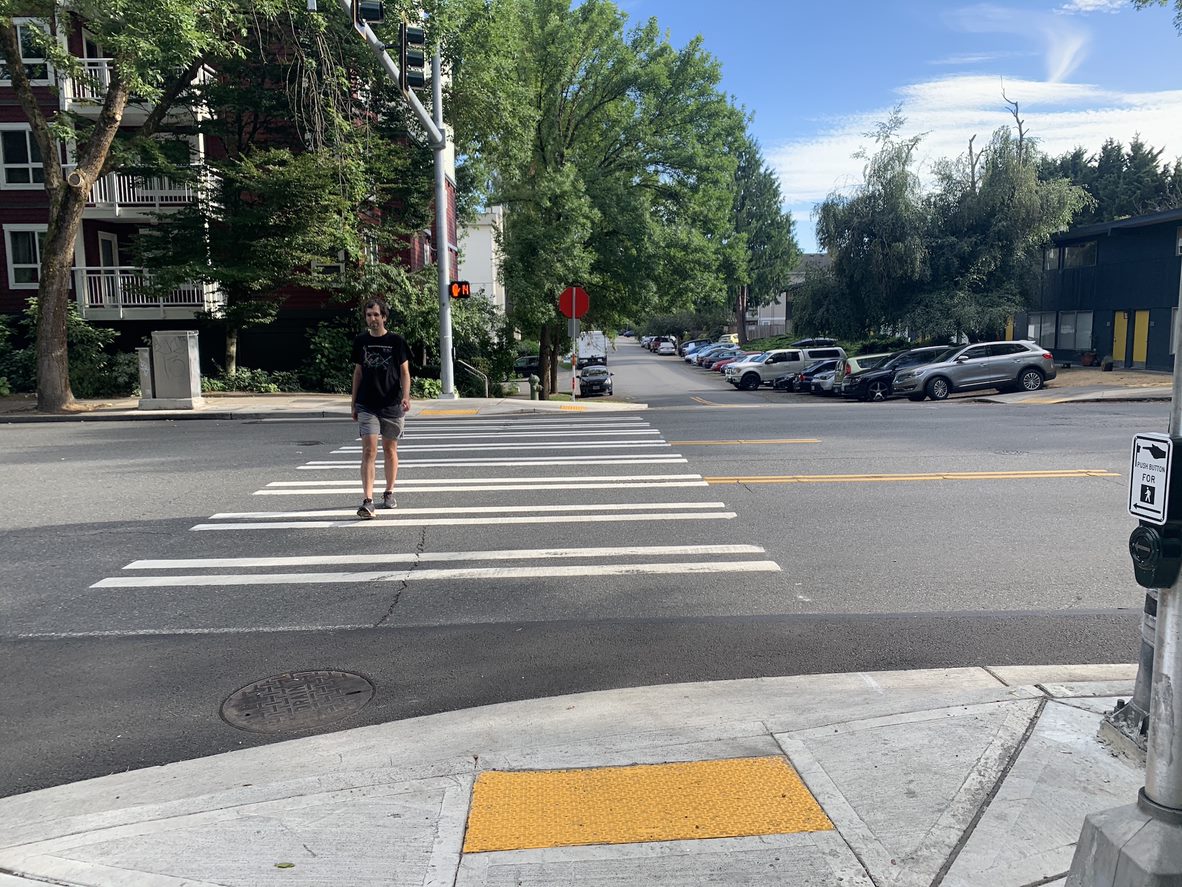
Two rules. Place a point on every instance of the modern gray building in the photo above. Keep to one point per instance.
(1111, 289)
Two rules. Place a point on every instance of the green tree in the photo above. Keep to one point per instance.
(989, 218)
(876, 237)
(157, 48)
(766, 243)
(615, 159)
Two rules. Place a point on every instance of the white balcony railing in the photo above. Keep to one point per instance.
(92, 85)
(119, 189)
(127, 287)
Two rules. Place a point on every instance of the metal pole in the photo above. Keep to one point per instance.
(574, 357)
(1163, 754)
(442, 250)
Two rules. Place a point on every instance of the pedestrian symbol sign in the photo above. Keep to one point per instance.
(1149, 482)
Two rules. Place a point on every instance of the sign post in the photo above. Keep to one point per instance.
(574, 303)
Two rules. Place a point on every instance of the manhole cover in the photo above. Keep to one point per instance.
(298, 700)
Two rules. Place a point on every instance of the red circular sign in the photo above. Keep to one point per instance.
(574, 302)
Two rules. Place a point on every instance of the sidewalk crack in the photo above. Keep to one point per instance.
(997, 784)
(404, 584)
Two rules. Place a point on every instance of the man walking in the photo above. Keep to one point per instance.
(381, 399)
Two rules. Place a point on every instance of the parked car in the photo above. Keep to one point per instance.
(765, 368)
(714, 352)
(526, 366)
(692, 345)
(856, 364)
(1006, 366)
(666, 347)
(724, 354)
(804, 380)
(875, 384)
(644, 340)
(595, 380)
(729, 339)
(823, 382)
(720, 365)
(813, 343)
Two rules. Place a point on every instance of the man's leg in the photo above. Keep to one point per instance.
(369, 459)
(390, 451)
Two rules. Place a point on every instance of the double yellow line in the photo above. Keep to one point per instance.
(937, 475)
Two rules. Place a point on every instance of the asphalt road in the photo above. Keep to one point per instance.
(847, 547)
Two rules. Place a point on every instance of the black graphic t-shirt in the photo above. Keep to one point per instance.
(381, 359)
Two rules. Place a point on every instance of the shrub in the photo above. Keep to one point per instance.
(329, 366)
(4, 389)
(425, 389)
(256, 381)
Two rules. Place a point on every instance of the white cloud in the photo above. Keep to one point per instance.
(1086, 6)
(1064, 43)
(1060, 115)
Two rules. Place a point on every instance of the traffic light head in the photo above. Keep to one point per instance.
(460, 289)
(368, 11)
(412, 57)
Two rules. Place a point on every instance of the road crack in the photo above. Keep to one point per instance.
(422, 544)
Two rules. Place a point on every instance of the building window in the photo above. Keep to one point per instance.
(1050, 258)
(1040, 328)
(1075, 330)
(33, 57)
(22, 245)
(20, 160)
(1081, 255)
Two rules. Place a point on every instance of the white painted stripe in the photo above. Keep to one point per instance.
(555, 571)
(473, 522)
(505, 554)
(165, 632)
(491, 480)
(499, 435)
(476, 488)
(565, 422)
(452, 448)
(653, 459)
(467, 509)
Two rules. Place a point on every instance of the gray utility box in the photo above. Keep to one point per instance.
(174, 381)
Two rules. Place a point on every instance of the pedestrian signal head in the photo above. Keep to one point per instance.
(460, 289)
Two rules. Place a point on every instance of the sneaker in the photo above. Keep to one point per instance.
(365, 510)
(388, 500)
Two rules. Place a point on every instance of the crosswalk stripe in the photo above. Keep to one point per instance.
(493, 480)
(468, 509)
(502, 435)
(471, 522)
(548, 571)
(646, 459)
(581, 445)
(504, 554)
(479, 488)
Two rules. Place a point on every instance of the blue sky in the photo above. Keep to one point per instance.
(818, 75)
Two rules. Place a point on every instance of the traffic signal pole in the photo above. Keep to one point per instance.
(1140, 845)
(437, 136)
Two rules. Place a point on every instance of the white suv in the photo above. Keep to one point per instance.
(765, 368)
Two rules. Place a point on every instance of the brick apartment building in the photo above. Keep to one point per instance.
(108, 287)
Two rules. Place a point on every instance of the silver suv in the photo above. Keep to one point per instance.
(1006, 366)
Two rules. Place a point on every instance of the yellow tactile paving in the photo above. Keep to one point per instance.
(518, 810)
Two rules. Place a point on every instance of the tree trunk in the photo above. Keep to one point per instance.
(53, 299)
(544, 361)
(231, 349)
(741, 314)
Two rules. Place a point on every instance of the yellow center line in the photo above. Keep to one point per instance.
(724, 443)
(942, 475)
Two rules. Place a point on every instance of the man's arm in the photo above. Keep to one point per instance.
(356, 385)
(405, 386)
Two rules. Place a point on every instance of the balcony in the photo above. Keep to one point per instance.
(127, 293)
(119, 191)
(91, 87)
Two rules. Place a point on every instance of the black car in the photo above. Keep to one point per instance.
(526, 366)
(803, 381)
(875, 384)
(595, 380)
(812, 343)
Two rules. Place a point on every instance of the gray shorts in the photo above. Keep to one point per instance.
(390, 427)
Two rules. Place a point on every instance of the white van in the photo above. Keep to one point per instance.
(764, 369)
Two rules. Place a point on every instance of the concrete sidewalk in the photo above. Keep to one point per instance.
(956, 777)
(227, 406)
